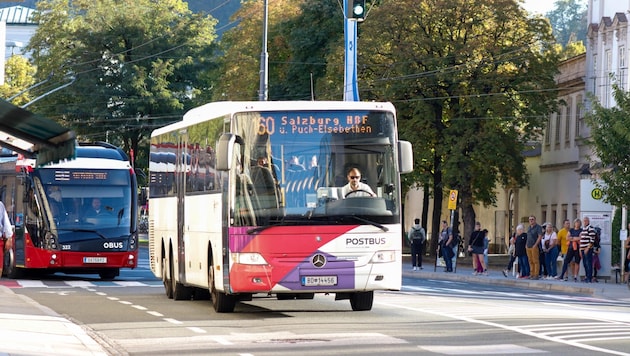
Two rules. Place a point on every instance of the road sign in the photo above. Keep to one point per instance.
(452, 200)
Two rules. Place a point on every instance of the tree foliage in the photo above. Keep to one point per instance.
(472, 81)
(610, 140)
(137, 65)
(569, 21)
(301, 36)
(18, 76)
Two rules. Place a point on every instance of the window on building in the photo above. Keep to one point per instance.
(548, 130)
(557, 128)
(578, 115)
(622, 67)
(567, 122)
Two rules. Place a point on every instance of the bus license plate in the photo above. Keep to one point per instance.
(94, 259)
(310, 281)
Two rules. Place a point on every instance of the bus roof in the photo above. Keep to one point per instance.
(223, 108)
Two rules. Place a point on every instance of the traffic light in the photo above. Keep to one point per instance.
(356, 9)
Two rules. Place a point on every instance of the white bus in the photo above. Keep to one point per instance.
(247, 198)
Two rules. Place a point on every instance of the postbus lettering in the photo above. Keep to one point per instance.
(362, 241)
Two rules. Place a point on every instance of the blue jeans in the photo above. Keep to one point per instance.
(551, 258)
(587, 261)
(523, 264)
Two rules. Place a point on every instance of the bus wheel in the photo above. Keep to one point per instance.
(361, 300)
(180, 292)
(166, 281)
(109, 274)
(10, 270)
(221, 302)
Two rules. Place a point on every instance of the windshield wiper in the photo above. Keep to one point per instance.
(86, 230)
(373, 223)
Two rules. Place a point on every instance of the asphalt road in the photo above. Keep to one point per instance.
(132, 316)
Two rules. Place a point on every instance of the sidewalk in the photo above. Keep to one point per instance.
(605, 290)
(28, 328)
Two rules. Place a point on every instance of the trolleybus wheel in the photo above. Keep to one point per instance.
(10, 269)
(361, 300)
(221, 302)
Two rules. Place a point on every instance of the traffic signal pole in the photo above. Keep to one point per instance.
(351, 19)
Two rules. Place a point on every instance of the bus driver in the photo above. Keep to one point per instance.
(355, 188)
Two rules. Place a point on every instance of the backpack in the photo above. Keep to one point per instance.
(418, 234)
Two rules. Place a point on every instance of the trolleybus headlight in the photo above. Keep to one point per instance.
(384, 256)
(249, 258)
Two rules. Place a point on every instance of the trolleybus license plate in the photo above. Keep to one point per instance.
(94, 259)
(319, 281)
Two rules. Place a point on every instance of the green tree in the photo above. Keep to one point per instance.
(301, 35)
(472, 81)
(610, 140)
(18, 76)
(569, 21)
(137, 65)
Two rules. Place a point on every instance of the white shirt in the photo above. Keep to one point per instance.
(5, 223)
(362, 186)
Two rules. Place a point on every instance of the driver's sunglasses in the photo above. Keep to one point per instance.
(355, 177)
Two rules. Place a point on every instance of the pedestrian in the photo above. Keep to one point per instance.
(596, 249)
(445, 246)
(534, 235)
(475, 246)
(551, 250)
(572, 259)
(6, 239)
(587, 239)
(417, 238)
(563, 237)
(520, 249)
(512, 254)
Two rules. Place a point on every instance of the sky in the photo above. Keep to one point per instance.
(538, 6)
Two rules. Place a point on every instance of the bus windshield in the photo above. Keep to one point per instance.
(80, 201)
(297, 165)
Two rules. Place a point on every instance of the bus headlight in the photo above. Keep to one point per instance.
(383, 257)
(250, 258)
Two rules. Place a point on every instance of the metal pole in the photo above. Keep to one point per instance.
(263, 92)
(624, 231)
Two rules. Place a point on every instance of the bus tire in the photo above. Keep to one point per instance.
(180, 292)
(221, 302)
(165, 280)
(360, 301)
(10, 269)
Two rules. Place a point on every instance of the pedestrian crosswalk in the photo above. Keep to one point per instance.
(33, 283)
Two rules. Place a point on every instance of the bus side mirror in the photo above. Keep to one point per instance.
(405, 157)
(225, 151)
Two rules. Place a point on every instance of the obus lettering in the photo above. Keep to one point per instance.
(113, 244)
(362, 241)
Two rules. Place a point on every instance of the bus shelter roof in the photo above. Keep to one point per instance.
(34, 136)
